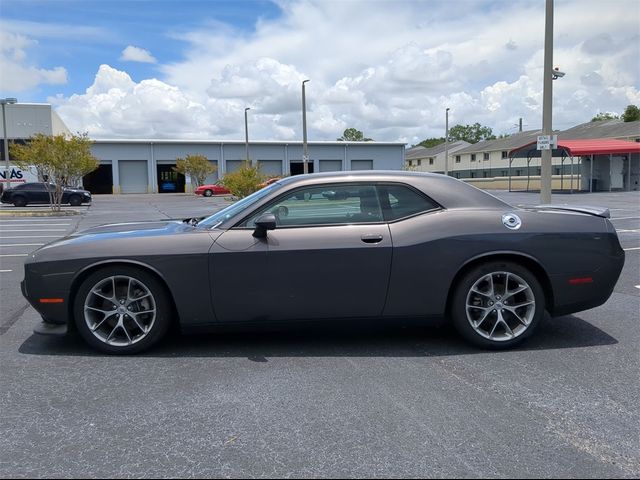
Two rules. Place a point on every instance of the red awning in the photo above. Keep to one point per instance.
(577, 148)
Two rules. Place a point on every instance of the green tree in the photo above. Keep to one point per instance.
(471, 133)
(604, 116)
(244, 181)
(62, 160)
(198, 167)
(430, 142)
(631, 114)
(353, 135)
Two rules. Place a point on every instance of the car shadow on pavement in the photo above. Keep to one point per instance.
(348, 339)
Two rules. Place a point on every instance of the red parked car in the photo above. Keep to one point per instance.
(214, 189)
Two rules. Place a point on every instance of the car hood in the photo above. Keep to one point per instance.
(122, 231)
(133, 239)
(147, 228)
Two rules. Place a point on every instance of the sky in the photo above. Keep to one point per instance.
(188, 69)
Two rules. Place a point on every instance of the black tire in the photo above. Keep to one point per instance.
(159, 327)
(75, 200)
(19, 201)
(208, 193)
(490, 305)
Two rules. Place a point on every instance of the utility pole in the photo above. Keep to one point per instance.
(547, 106)
(446, 143)
(305, 150)
(4, 102)
(246, 136)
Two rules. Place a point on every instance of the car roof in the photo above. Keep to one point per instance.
(447, 191)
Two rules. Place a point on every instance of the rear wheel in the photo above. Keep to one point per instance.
(208, 193)
(497, 305)
(122, 310)
(75, 201)
(19, 201)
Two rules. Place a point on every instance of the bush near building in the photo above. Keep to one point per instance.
(198, 167)
(244, 181)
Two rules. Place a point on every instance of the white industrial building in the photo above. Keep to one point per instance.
(145, 166)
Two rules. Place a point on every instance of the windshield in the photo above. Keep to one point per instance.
(235, 208)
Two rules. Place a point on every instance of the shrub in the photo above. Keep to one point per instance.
(244, 181)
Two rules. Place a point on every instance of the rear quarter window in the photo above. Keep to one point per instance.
(399, 201)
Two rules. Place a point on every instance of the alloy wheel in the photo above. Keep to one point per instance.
(500, 306)
(120, 310)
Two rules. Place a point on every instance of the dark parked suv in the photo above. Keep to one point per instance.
(26, 193)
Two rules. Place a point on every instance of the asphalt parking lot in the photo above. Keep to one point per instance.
(372, 400)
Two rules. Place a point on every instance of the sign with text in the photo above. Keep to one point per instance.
(547, 142)
(18, 175)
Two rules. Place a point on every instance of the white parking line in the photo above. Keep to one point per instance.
(632, 248)
(625, 218)
(31, 220)
(637, 230)
(31, 236)
(5, 271)
(37, 230)
(13, 254)
(21, 245)
(35, 225)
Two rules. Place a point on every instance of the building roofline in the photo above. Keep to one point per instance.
(239, 142)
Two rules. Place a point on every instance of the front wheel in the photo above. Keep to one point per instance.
(208, 193)
(122, 310)
(497, 305)
(20, 201)
(75, 201)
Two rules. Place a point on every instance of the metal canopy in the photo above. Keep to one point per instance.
(576, 148)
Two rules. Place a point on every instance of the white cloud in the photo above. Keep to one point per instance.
(137, 54)
(387, 68)
(18, 74)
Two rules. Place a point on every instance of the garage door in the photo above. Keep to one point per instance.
(270, 167)
(330, 165)
(133, 176)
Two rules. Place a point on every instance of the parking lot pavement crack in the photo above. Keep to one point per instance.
(157, 207)
(5, 326)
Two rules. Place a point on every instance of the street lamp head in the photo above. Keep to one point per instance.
(305, 81)
(9, 100)
(448, 109)
(248, 108)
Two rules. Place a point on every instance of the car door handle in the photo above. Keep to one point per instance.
(371, 238)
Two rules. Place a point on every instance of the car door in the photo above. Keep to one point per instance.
(329, 257)
(37, 193)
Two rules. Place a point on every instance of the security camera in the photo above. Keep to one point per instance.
(556, 74)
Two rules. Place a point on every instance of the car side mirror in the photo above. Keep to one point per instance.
(264, 222)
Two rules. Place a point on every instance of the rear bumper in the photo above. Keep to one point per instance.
(582, 295)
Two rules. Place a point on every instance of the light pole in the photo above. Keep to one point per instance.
(305, 150)
(446, 143)
(547, 105)
(246, 136)
(7, 167)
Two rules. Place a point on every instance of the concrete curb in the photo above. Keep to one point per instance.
(37, 213)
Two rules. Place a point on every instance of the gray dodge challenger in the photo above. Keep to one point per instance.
(330, 245)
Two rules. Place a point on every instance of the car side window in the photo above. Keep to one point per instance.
(325, 205)
(34, 187)
(399, 201)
